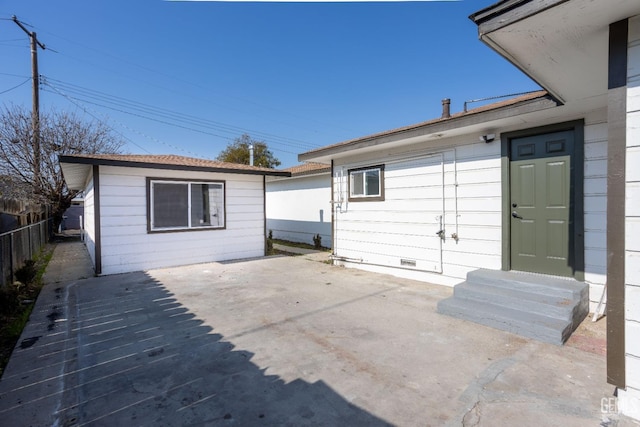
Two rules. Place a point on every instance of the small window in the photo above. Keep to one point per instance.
(182, 205)
(366, 184)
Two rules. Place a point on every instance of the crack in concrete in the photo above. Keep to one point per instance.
(472, 397)
(472, 416)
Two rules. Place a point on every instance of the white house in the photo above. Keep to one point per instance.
(299, 207)
(545, 183)
(154, 211)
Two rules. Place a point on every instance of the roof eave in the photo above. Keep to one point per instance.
(507, 12)
(75, 175)
(312, 173)
(164, 166)
(458, 122)
(503, 14)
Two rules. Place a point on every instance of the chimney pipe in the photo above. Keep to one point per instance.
(446, 110)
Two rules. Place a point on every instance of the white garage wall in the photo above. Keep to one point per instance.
(126, 245)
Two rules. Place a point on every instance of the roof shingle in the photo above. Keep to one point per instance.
(166, 160)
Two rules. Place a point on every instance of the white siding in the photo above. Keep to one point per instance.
(127, 246)
(298, 208)
(378, 235)
(595, 204)
(630, 403)
(90, 220)
(420, 186)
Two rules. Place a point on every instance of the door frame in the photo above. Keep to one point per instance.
(576, 215)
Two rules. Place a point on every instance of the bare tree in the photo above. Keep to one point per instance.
(61, 133)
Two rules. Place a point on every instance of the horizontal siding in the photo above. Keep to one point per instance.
(127, 246)
(89, 221)
(404, 225)
(632, 224)
(413, 199)
(595, 206)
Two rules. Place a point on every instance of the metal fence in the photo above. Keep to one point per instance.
(20, 245)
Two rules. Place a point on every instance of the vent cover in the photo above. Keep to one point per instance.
(408, 262)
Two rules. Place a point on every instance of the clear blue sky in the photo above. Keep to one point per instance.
(296, 75)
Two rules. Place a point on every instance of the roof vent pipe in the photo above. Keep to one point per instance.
(446, 108)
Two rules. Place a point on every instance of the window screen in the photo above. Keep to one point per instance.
(366, 183)
(186, 205)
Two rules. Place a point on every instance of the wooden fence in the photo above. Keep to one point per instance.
(20, 245)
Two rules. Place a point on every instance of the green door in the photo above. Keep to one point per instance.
(540, 201)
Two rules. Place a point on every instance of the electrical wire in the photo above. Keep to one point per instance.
(80, 96)
(167, 117)
(15, 87)
(85, 109)
(104, 122)
(172, 77)
(174, 115)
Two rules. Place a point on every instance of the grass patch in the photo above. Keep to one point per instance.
(17, 301)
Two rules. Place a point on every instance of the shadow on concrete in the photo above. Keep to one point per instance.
(129, 353)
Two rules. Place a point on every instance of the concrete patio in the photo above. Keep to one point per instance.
(283, 341)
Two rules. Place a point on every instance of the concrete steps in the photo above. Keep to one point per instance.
(544, 308)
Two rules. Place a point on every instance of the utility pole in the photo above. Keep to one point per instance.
(35, 112)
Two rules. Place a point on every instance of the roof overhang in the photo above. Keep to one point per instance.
(483, 121)
(560, 44)
(75, 175)
(76, 169)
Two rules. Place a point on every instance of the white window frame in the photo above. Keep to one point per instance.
(366, 196)
(151, 228)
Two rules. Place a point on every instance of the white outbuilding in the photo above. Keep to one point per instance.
(155, 211)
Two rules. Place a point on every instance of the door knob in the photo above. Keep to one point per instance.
(515, 215)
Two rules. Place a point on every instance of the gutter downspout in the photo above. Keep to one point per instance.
(455, 235)
(333, 212)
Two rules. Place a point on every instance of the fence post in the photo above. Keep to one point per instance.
(30, 243)
(11, 257)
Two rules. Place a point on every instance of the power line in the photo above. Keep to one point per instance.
(16, 87)
(167, 117)
(79, 104)
(79, 95)
(195, 85)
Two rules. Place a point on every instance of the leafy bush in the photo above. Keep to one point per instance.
(27, 273)
(270, 242)
(317, 241)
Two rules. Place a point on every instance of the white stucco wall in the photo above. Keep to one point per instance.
(298, 208)
(127, 246)
(629, 399)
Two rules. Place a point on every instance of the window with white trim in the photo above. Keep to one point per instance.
(366, 184)
(185, 205)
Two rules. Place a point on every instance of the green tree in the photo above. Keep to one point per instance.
(238, 152)
(60, 133)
